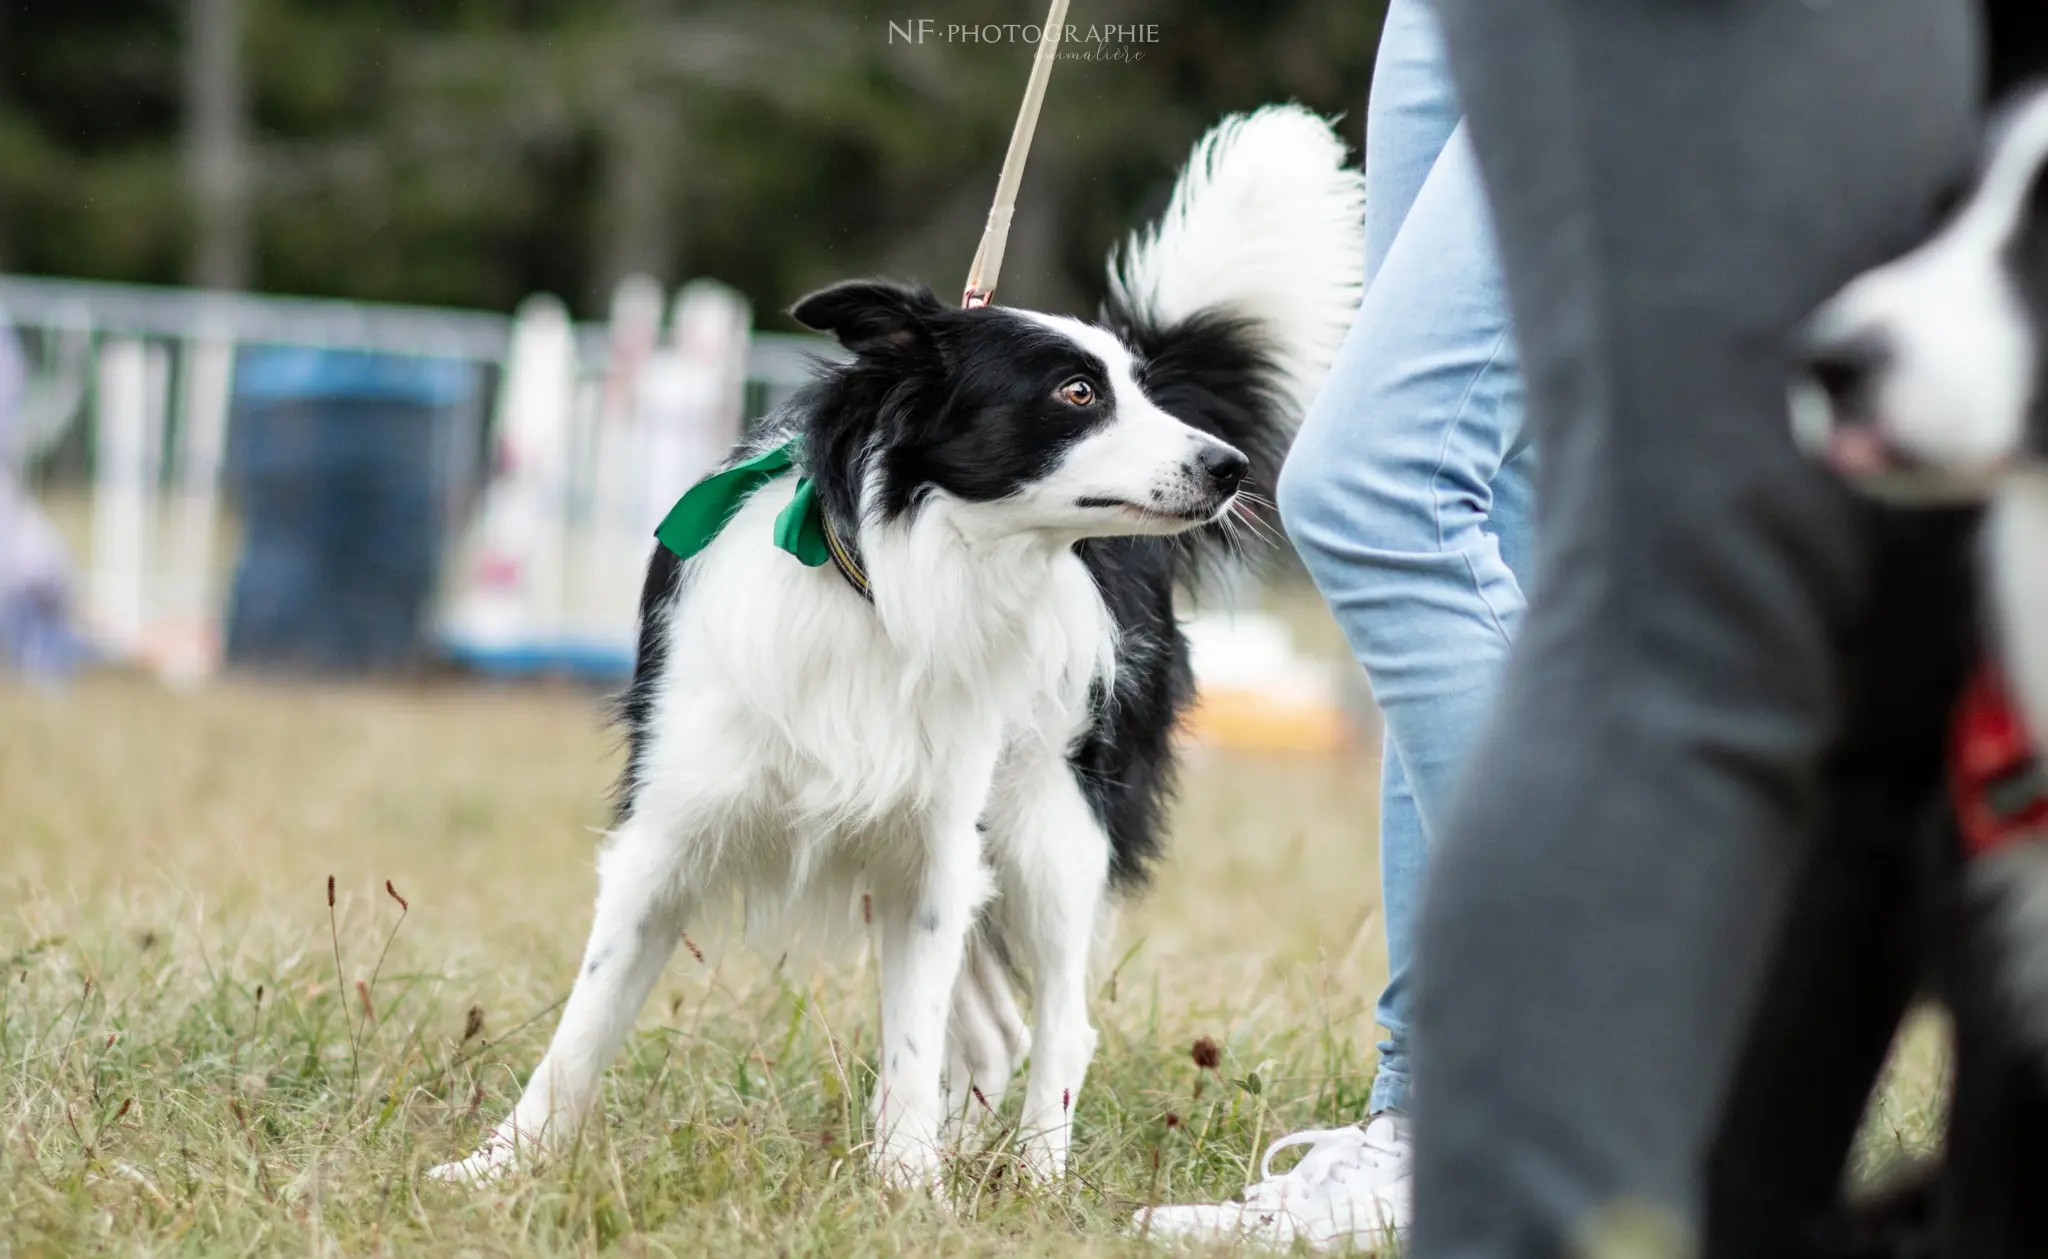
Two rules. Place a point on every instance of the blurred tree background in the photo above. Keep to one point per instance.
(469, 152)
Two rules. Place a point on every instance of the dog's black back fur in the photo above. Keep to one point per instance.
(1125, 762)
(634, 708)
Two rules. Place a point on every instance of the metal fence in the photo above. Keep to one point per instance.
(778, 364)
(146, 378)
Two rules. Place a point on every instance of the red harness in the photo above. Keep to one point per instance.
(1996, 779)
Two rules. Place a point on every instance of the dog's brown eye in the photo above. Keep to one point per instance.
(1078, 392)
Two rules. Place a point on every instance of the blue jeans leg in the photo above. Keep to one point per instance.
(1408, 492)
(1408, 120)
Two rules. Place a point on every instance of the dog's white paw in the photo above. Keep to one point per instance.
(498, 1158)
(1044, 1160)
(908, 1164)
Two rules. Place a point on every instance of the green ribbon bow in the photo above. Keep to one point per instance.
(706, 508)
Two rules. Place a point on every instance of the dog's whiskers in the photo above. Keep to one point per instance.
(1231, 529)
(1263, 529)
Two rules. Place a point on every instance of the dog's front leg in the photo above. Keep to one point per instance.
(924, 927)
(1054, 860)
(986, 1042)
(640, 913)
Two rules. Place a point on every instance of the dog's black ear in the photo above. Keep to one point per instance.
(869, 315)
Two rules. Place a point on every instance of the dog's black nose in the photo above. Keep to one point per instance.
(1844, 365)
(1224, 467)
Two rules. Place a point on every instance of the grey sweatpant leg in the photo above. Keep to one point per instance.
(1676, 183)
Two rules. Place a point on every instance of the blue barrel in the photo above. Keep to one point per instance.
(339, 463)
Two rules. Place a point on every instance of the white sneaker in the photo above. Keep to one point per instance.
(1351, 1190)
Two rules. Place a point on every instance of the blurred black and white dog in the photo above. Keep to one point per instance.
(1926, 383)
(973, 734)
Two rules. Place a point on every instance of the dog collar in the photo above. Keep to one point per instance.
(802, 528)
(846, 559)
(1996, 779)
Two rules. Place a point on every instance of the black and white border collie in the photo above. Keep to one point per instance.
(979, 747)
(1926, 384)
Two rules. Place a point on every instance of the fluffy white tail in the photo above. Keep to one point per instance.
(1267, 224)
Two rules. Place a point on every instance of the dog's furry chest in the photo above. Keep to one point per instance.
(801, 717)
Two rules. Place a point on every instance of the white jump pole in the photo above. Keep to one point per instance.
(122, 493)
(616, 537)
(191, 652)
(507, 598)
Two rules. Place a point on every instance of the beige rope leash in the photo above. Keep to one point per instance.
(988, 259)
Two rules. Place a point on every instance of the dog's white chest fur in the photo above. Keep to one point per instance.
(823, 723)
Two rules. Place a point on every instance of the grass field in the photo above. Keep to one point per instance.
(187, 1067)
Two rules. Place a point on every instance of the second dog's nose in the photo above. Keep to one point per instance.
(1843, 366)
(1224, 466)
